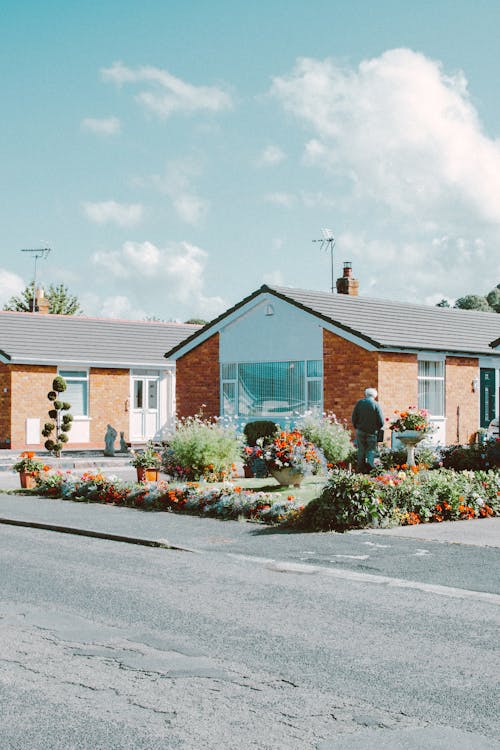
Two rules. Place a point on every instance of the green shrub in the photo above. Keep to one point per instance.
(261, 428)
(460, 457)
(330, 435)
(200, 448)
(347, 501)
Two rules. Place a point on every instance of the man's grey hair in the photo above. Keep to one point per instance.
(371, 393)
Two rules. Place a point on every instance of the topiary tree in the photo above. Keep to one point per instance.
(56, 431)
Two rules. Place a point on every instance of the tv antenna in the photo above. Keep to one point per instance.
(328, 243)
(36, 252)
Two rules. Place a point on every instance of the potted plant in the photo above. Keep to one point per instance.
(28, 468)
(289, 457)
(411, 426)
(147, 463)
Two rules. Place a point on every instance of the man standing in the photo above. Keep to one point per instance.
(367, 419)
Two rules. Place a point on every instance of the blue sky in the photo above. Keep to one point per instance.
(177, 155)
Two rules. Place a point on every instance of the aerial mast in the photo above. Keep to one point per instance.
(328, 243)
(37, 252)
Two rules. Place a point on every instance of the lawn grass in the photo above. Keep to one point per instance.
(309, 489)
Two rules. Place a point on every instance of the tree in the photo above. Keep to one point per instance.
(493, 298)
(473, 302)
(61, 302)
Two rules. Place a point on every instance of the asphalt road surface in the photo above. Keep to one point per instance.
(258, 640)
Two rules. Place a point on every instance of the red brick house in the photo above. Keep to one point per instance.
(282, 351)
(115, 371)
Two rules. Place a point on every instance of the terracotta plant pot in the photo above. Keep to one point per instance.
(28, 480)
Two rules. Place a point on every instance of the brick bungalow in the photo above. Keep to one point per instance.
(281, 351)
(115, 371)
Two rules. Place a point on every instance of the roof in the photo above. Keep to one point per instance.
(382, 323)
(65, 339)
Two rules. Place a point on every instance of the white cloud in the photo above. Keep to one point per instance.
(167, 94)
(402, 132)
(111, 212)
(176, 183)
(285, 200)
(10, 284)
(271, 155)
(103, 126)
(274, 277)
(416, 270)
(174, 273)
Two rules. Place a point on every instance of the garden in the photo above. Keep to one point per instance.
(301, 479)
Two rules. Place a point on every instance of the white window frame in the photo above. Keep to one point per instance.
(86, 379)
(433, 357)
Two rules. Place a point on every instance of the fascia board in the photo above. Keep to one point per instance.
(167, 364)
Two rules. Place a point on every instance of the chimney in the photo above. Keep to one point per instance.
(347, 284)
(42, 303)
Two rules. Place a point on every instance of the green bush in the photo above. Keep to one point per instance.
(201, 448)
(261, 428)
(347, 501)
(330, 435)
(461, 457)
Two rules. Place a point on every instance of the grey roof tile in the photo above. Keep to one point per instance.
(74, 338)
(400, 324)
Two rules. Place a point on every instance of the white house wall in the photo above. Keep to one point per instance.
(288, 334)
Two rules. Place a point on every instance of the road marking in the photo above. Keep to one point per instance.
(354, 575)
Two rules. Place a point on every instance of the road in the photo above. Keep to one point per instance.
(257, 640)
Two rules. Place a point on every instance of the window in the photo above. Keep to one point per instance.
(271, 389)
(77, 392)
(431, 387)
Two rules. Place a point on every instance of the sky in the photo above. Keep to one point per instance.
(175, 155)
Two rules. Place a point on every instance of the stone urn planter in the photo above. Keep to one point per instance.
(28, 480)
(410, 439)
(287, 476)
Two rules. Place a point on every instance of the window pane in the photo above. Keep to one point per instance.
(229, 399)
(228, 372)
(431, 396)
(314, 368)
(431, 369)
(314, 393)
(81, 374)
(152, 394)
(137, 394)
(271, 389)
(76, 395)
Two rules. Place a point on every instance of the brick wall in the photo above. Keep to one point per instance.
(29, 386)
(348, 370)
(109, 394)
(5, 405)
(198, 380)
(109, 391)
(460, 372)
(397, 383)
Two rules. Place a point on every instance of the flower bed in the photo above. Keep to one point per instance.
(228, 501)
(347, 500)
(402, 497)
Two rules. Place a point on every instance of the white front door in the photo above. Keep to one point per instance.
(144, 398)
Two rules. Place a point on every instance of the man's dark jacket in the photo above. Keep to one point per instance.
(367, 415)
